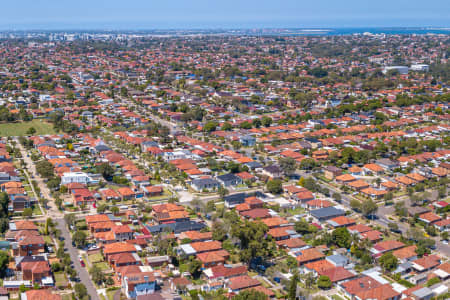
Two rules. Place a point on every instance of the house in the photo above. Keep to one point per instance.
(338, 274)
(326, 213)
(224, 272)
(373, 169)
(79, 177)
(118, 248)
(426, 263)
(330, 172)
(234, 199)
(308, 255)
(355, 286)
(138, 284)
(36, 271)
(341, 221)
(126, 193)
(429, 218)
(379, 248)
(345, 178)
(358, 185)
(383, 292)
(28, 243)
(83, 197)
(212, 258)
(387, 164)
(229, 179)
(40, 295)
(205, 184)
(124, 259)
(272, 171)
(17, 203)
(239, 283)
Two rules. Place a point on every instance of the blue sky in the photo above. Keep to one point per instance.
(166, 14)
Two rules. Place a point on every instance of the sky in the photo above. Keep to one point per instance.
(206, 14)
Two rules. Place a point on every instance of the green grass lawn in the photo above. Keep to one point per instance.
(337, 297)
(36, 210)
(48, 240)
(60, 280)
(20, 128)
(110, 294)
(95, 258)
(103, 266)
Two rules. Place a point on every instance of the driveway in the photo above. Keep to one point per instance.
(73, 252)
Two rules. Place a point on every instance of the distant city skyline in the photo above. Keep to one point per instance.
(212, 14)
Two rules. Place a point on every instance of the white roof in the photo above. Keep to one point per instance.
(441, 273)
(188, 249)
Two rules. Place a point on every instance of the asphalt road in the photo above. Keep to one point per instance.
(82, 273)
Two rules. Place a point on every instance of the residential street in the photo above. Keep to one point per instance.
(58, 216)
(82, 273)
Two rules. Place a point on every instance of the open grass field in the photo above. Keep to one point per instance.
(20, 128)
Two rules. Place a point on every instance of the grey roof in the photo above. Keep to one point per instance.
(204, 181)
(253, 164)
(227, 177)
(327, 212)
(337, 259)
(235, 198)
(177, 227)
(422, 293)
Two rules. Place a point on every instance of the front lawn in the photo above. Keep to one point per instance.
(60, 280)
(103, 266)
(95, 258)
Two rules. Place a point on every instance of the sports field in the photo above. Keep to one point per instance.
(20, 128)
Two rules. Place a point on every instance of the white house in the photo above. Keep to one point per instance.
(78, 177)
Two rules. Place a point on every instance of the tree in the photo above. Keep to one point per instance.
(45, 169)
(106, 170)
(266, 121)
(70, 219)
(256, 123)
(303, 227)
(27, 212)
(368, 207)
(324, 282)
(250, 295)
(337, 197)
(341, 237)
(210, 126)
(97, 274)
(274, 186)
(388, 262)
(355, 204)
(222, 191)
(219, 232)
(4, 260)
(227, 126)
(393, 226)
(292, 292)
(194, 267)
(102, 208)
(288, 165)
(114, 209)
(307, 164)
(80, 290)
(254, 240)
(31, 131)
(79, 238)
